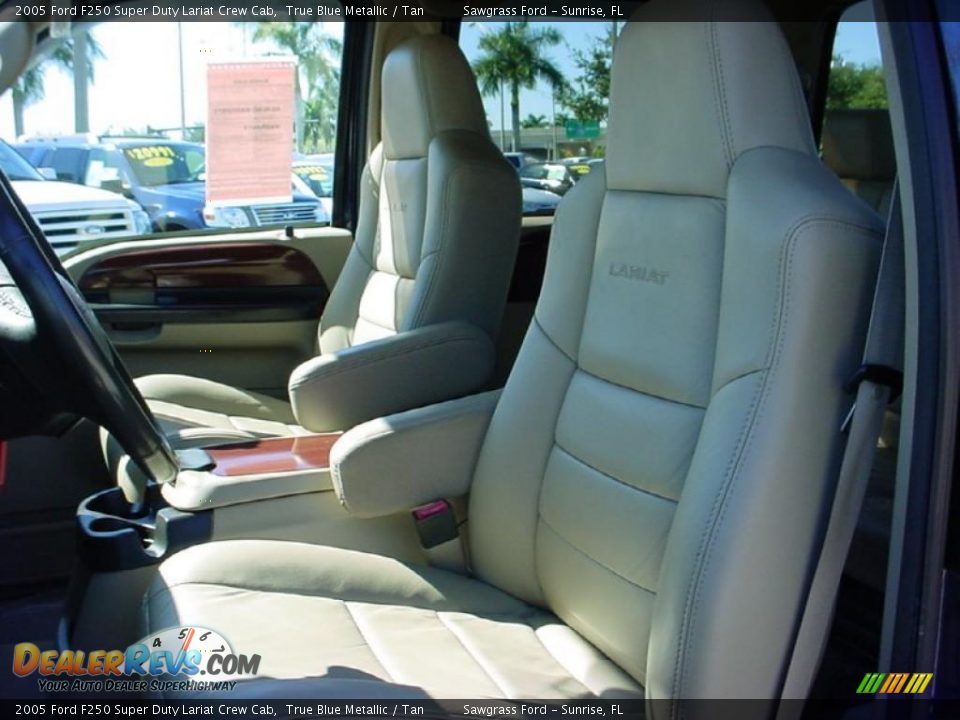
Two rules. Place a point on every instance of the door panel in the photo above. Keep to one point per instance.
(238, 309)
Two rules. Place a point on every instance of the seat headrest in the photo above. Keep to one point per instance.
(858, 144)
(427, 88)
(692, 90)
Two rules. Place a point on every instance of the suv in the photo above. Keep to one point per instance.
(67, 214)
(167, 178)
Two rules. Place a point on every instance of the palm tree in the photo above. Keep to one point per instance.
(317, 54)
(515, 56)
(29, 87)
(534, 121)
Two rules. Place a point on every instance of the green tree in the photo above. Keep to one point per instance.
(587, 97)
(853, 85)
(515, 56)
(317, 79)
(534, 121)
(28, 88)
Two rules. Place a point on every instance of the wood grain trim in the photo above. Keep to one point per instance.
(273, 455)
(205, 266)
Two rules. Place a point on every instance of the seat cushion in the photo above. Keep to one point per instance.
(338, 623)
(183, 404)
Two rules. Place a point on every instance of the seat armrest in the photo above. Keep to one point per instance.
(431, 364)
(196, 491)
(396, 463)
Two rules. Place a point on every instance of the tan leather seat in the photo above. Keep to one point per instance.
(649, 493)
(412, 317)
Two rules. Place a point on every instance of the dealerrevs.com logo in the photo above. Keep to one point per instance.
(174, 659)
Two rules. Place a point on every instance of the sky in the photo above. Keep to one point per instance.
(137, 82)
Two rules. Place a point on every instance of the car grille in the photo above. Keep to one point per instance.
(66, 229)
(285, 214)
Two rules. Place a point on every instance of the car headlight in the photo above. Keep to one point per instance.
(141, 221)
(321, 213)
(230, 217)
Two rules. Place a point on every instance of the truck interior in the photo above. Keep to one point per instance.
(439, 449)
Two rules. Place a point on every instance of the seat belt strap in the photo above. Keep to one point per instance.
(877, 383)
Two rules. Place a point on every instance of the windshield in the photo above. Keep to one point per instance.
(165, 163)
(14, 166)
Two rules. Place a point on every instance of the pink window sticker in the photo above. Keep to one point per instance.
(249, 132)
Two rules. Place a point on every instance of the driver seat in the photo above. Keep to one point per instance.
(649, 494)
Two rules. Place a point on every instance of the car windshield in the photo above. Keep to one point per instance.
(165, 163)
(318, 177)
(14, 166)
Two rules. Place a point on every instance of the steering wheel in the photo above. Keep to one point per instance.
(56, 361)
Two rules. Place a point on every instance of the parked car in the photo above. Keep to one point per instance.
(69, 214)
(580, 166)
(539, 202)
(553, 177)
(166, 178)
(520, 159)
(317, 172)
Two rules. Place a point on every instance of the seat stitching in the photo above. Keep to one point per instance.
(376, 323)
(607, 380)
(566, 392)
(614, 478)
(568, 356)
(474, 657)
(747, 434)
(367, 642)
(247, 588)
(720, 96)
(734, 379)
(695, 582)
(592, 559)
(639, 391)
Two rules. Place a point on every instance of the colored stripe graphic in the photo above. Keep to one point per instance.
(891, 681)
(894, 683)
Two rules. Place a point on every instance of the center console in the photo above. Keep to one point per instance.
(271, 489)
(114, 536)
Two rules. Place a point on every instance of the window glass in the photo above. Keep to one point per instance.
(14, 166)
(857, 141)
(545, 87)
(856, 78)
(142, 139)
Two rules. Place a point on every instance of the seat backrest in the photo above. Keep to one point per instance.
(658, 466)
(857, 144)
(439, 217)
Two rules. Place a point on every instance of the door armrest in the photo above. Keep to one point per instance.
(411, 369)
(396, 463)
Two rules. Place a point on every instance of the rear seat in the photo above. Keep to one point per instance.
(858, 146)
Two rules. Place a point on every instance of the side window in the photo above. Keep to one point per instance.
(856, 78)
(148, 145)
(551, 105)
(857, 142)
(96, 173)
(68, 164)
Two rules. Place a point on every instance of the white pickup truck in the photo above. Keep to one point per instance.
(71, 214)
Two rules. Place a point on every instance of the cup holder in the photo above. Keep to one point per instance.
(103, 525)
(112, 537)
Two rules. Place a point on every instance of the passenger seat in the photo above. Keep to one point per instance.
(413, 316)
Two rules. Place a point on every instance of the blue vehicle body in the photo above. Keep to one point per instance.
(176, 205)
